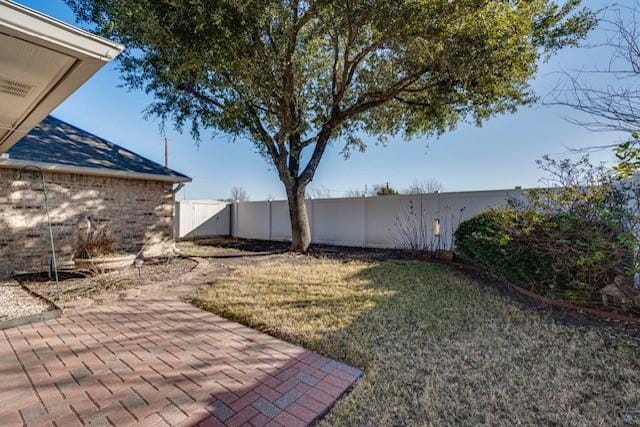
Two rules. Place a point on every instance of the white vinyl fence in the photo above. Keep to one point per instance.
(427, 220)
(195, 219)
(372, 222)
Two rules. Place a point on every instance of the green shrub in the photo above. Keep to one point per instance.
(560, 255)
(485, 240)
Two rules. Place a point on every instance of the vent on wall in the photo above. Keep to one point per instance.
(12, 87)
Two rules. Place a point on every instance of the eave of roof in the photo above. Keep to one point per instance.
(78, 170)
(30, 24)
(87, 53)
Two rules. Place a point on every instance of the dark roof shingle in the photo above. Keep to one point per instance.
(56, 142)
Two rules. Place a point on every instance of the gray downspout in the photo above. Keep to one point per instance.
(174, 191)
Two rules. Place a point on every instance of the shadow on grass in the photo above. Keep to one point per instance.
(436, 347)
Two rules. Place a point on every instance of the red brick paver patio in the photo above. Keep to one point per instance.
(160, 362)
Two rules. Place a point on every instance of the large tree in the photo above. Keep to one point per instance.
(294, 76)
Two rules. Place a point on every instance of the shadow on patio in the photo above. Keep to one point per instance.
(158, 362)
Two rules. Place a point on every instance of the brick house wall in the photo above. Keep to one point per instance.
(136, 213)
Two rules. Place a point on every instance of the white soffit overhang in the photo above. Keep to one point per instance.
(42, 62)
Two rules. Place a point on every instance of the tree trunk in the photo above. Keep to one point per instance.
(300, 231)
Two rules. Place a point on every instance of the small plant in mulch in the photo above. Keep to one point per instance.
(426, 236)
(95, 246)
(95, 251)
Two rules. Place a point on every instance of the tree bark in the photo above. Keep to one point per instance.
(300, 231)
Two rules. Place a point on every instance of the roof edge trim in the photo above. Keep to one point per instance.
(78, 170)
(26, 21)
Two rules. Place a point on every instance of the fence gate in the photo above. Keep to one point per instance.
(196, 219)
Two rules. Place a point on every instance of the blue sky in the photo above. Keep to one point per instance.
(501, 154)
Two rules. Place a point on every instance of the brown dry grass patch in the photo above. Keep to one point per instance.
(436, 347)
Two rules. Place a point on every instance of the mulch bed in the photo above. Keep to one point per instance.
(73, 285)
(228, 247)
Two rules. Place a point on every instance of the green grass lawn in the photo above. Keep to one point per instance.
(435, 346)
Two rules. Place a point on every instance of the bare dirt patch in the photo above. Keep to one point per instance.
(75, 285)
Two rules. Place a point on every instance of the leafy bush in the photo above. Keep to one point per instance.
(598, 195)
(568, 240)
(628, 155)
(561, 255)
(485, 239)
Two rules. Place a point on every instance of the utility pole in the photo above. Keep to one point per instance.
(166, 152)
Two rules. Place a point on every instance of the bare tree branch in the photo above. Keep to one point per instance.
(615, 106)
